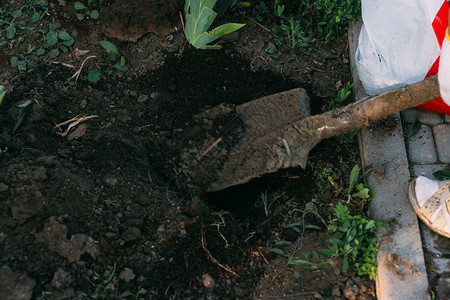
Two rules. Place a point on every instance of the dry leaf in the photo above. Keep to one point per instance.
(77, 133)
(78, 53)
(338, 84)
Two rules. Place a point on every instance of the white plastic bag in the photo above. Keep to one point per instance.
(397, 44)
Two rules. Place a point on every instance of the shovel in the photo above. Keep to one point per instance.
(279, 133)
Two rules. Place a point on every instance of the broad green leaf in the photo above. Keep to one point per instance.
(68, 42)
(335, 241)
(17, 13)
(14, 61)
(354, 176)
(80, 17)
(94, 14)
(224, 29)
(94, 76)
(79, 6)
(51, 38)
(52, 27)
(326, 252)
(204, 21)
(35, 17)
(53, 53)
(63, 35)
(345, 264)
(2, 93)
(277, 251)
(109, 47)
(442, 175)
(10, 31)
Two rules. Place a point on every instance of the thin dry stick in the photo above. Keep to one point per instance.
(60, 63)
(265, 28)
(78, 73)
(182, 22)
(265, 259)
(213, 259)
(210, 148)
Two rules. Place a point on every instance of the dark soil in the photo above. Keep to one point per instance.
(108, 210)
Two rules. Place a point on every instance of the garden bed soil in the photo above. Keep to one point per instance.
(108, 209)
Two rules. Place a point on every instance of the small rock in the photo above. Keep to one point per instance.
(133, 93)
(83, 104)
(15, 286)
(127, 275)
(40, 174)
(208, 281)
(142, 98)
(131, 234)
(3, 187)
(351, 291)
(111, 180)
(61, 279)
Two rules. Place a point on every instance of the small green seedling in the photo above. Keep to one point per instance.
(342, 95)
(266, 203)
(85, 11)
(278, 9)
(100, 284)
(21, 112)
(113, 61)
(199, 16)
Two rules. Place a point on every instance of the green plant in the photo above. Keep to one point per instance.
(113, 61)
(14, 21)
(266, 203)
(21, 112)
(323, 178)
(198, 18)
(342, 95)
(100, 283)
(140, 292)
(85, 10)
(354, 240)
(261, 10)
(278, 9)
(333, 16)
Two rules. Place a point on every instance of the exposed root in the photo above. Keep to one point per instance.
(213, 259)
(78, 73)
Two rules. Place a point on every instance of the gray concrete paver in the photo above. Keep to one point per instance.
(442, 140)
(421, 148)
(426, 170)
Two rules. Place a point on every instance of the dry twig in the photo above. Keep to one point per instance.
(73, 122)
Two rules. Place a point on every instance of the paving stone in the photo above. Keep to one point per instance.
(442, 139)
(409, 115)
(427, 170)
(421, 146)
(429, 118)
(447, 119)
(438, 246)
(424, 117)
